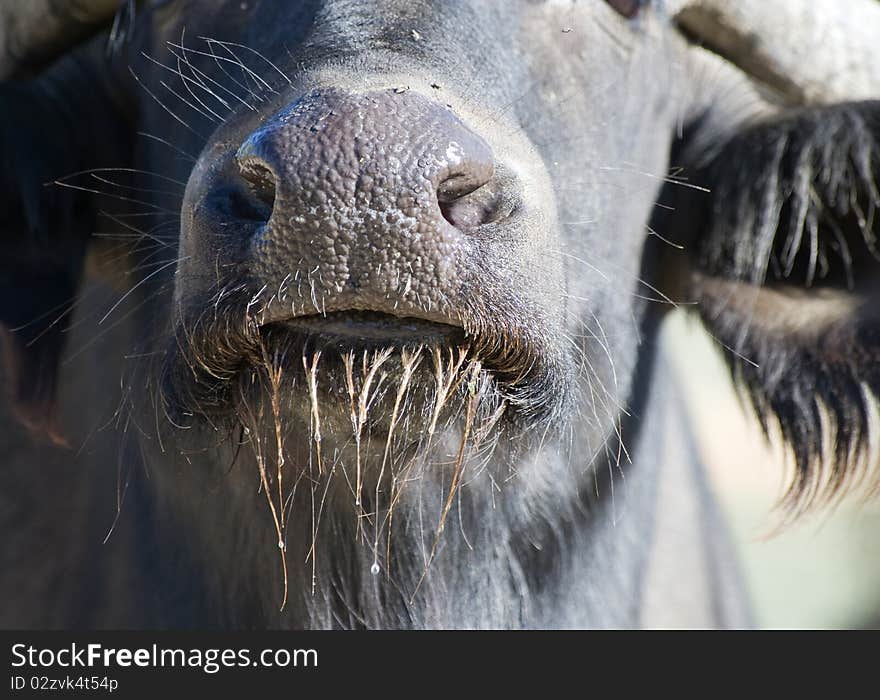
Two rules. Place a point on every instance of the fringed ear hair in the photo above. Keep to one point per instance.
(50, 127)
(44, 244)
(782, 244)
(787, 276)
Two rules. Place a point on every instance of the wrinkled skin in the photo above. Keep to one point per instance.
(518, 278)
(512, 277)
(439, 175)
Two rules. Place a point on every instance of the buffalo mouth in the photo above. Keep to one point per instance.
(355, 329)
(220, 353)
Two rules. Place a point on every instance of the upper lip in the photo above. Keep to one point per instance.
(370, 325)
(304, 311)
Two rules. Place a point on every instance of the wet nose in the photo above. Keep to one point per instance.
(334, 157)
(369, 201)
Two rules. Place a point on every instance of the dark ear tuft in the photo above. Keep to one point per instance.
(32, 368)
(795, 200)
(811, 369)
(788, 280)
(44, 230)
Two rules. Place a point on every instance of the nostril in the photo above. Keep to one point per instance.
(239, 203)
(466, 196)
(247, 198)
(481, 206)
(456, 187)
(260, 182)
(460, 183)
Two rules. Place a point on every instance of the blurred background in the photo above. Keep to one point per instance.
(823, 571)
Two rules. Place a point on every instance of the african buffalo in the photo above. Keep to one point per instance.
(337, 313)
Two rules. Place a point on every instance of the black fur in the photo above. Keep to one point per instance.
(43, 254)
(47, 132)
(548, 545)
(792, 208)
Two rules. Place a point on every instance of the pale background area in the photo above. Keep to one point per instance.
(822, 571)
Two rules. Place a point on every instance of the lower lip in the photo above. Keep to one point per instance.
(372, 327)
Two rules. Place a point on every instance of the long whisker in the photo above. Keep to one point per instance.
(256, 53)
(166, 142)
(122, 198)
(142, 282)
(163, 105)
(186, 83)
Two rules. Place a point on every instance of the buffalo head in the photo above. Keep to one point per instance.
(406, 251)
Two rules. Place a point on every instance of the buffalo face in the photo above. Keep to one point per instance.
(414, 245)
(431, 194)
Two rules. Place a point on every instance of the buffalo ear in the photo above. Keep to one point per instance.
(43, 232)
(785, 270)
(50, 127)
(31, 350)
